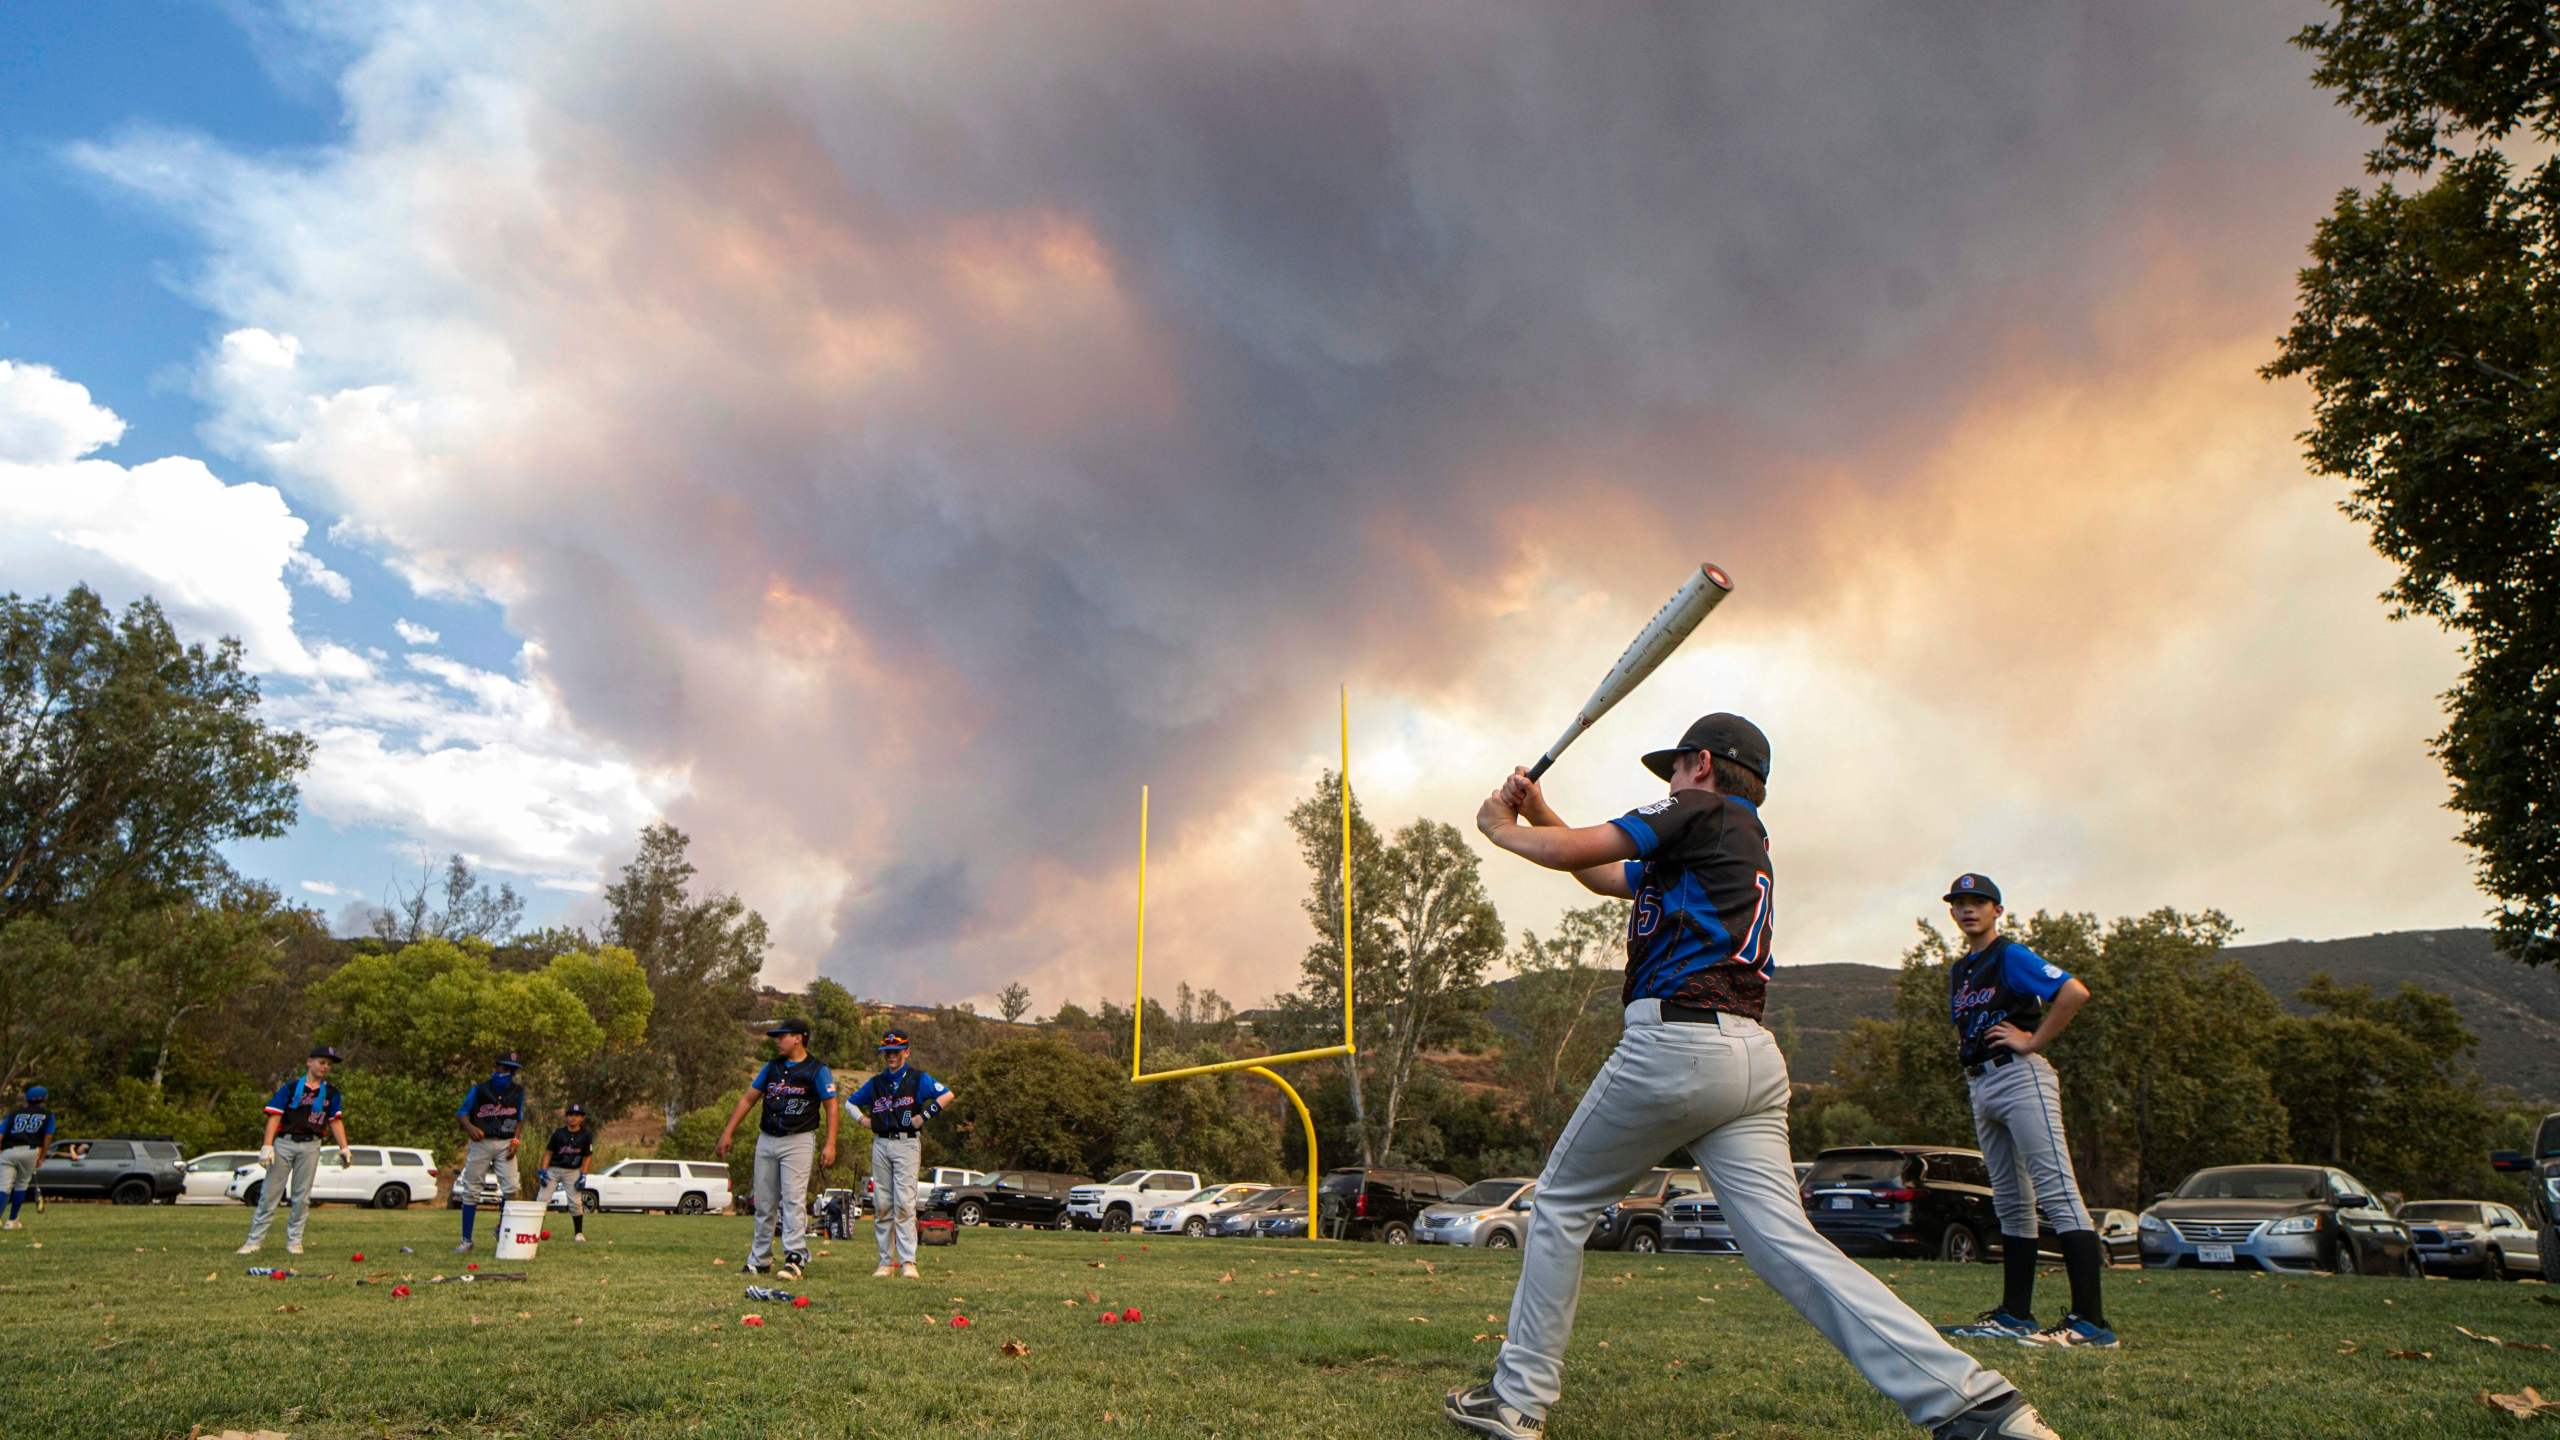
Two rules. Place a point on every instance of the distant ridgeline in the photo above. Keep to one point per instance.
(2514, 1009)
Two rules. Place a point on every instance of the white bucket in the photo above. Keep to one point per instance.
(519, 1229)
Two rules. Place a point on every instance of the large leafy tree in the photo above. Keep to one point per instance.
(702, 954)
(1440, 935)
(1562, 1017)
(2383, 1086)
(1317, 822)
(1038, 1104)
(127, 761)
(2429, 329)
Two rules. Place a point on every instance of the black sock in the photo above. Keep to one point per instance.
(2083, 1256)
(2018, 1267)
(578, 1222)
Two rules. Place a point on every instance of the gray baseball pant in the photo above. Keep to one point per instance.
(1720, 1091)
(893, 1196)
(2017, 1115)
(479, 1159)
(17, 1169)
(782, 1195)
(297, 1161)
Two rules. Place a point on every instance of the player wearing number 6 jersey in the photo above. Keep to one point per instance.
(1695, 1069)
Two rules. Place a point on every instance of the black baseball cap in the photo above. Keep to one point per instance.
(1977, 886)
(577, 1109)
(1729, 736)
(325, 1052)
(794, 1026)
(509, 1061)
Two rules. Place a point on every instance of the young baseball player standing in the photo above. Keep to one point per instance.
(297, 1114)
(564, 1168)
(897, 1102)
(490, 1113)
(796, 1092)
(25, 1141)
(1696, 1069)
(2009, 1004)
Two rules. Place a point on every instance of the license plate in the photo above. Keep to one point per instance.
(1692, 1232)
(1843, 1202)
(2214, 1254)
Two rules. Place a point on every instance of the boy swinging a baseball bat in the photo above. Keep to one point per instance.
(1696, 1070)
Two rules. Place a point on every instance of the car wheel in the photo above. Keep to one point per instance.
(2342, 1257)
(131, 1192)
(693, 1203)
(1958, 1243)
(1395, 1234)
(1195, 1227)
(2495, 1267)
(1643, 1241)
(2411, 1267)
(969, 1212)
(1501, 1240)
(391, 1197)
(249, 1196)
(2550, 1262)
(589, 1201)
(1115, 1220)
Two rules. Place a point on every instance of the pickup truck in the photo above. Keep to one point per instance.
(1117, 1202)
(2541, 1170)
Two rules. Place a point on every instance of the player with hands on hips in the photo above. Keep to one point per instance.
(490, 1113)
(562, 1178)
(1695, 1069)
(300, 1111)
(2009, 1004)
(897, 1102)
(798, 1094)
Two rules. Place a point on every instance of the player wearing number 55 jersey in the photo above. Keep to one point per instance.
(1695, 1070)
(2008, 1004)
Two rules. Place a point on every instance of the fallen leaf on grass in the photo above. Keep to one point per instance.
(1093, 1264)
(2524, 1405)
(1013, 1348)
(2510, 1344)
(1480, 1337)
(288, 1309)
(2346, 1347)
(1420, 1319)
(210, 1276)
(1227, 1278)
(1091, 1298)
(2411, 1354)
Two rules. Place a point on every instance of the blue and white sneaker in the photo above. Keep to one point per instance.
(2073, 1333)
(1992, 1325)
(1478, 1409)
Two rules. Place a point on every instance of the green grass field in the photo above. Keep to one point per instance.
(140, 1322)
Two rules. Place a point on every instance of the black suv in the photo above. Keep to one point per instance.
(1008, 1197)
(2542, 1185)
(1929, 1201)
(1379, 1203)
(1635, 1223)
(128, 1172)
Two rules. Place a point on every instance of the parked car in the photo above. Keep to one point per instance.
(2276, 1217)
(1009, 1197)
(2480, 1238)
(1926, 1201)
(384, 1178)
(1379, 1202)
(1490, 1213)
(493, 1187)
(686, 1187)
(1693, 1224)
(1288, 1222)
(938, 1177)
(1190, 1215)
(1239, 1219)
(1125, 1198)
(1635, 1222)
(2542, 1202)
(206, 1179)
(128, 1172)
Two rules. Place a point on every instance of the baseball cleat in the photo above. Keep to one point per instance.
(8, 1224)
(792, 1265)
(291, 1248)
(246, 1250)
(2073, 1333)
(1992, 1325)
(580, 1237)
(884, 1272)
(908, 1271)
(2008, 1418)
(462, 1247)
(1478, 1409)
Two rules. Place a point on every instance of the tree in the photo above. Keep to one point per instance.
(1439, 934)
(839, 1032)
(471, 910)
(127, 760)
(615, 991)
(1013, 1002)
(1222, 1125)
(1561, 1022)
(2383, 1087)
(43, 1001)
(2429, 330)
(438, 1013)
(1317, 822)
(702, 956)
(1038, 1104)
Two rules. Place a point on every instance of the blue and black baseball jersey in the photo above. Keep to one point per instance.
(2003, 981)
(1704, 903)
(496, 1106)
(888, 1098)
(307, 1108)
(796, 1093)
(27, 1128)
(569, 1149)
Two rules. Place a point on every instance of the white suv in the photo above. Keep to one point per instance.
(206, 1179)
(386, 1179)
(1120, 1201)
(687, 1187)
(1190, 1215)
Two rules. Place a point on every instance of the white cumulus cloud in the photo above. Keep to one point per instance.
(413, 633)
(322, 887)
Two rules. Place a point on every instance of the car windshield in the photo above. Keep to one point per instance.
(1211, 1193)
(1487, 1192)
(1295, 1195)
(1004, 1180)
(2442, 1210)
(1861, 1167)
(2252, 1183)
(1127, 1177)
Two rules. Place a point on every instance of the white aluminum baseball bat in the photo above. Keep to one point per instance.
(1653, 644)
